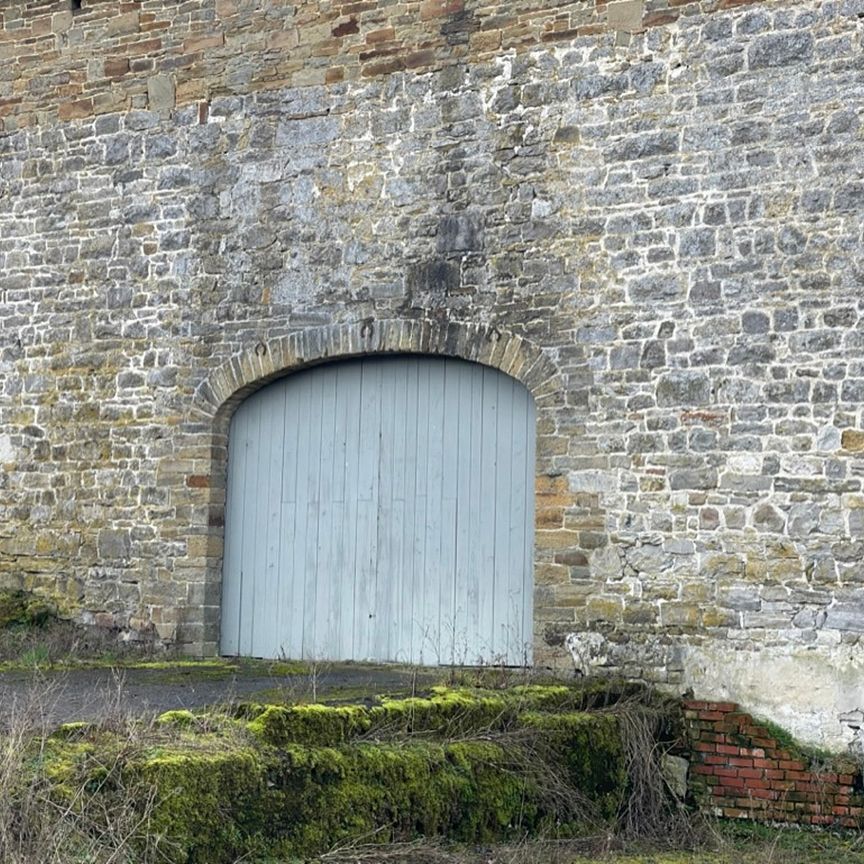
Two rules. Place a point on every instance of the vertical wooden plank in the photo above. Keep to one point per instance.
(472, 465)
(432, 457)
(419, 629)
(467, 519)
(232, 560)
(397, 577)
(266, 638)
(351, 384)
(311, 484)
(291, 588)
(367, 511)
(409, 577)
(385, 567)
(247, 518)
(252, 536)
(488, 475)
(505, 563)
(302, 395)
(338, 560)
(528, 545)
(448, 541)
(322, 615)
(516, 494)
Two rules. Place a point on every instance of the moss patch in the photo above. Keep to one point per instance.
(590, 749)
(443, 712)
(212, 805)
(216, 806)
(22, 609)
(291, 782)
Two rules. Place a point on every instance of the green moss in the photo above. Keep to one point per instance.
(71, 730)
(218, 804)
(210, 806)
(292, 781)
(155, 671)
(23, 609)
(220, 799)
(446, 713)
(178, 672)
(279, 668)
(180, 665)
(589, 748)
(74, 766)
(181, 718)
(787, 741)
(318, 725)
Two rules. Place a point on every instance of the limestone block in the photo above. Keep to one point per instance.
(114, 543)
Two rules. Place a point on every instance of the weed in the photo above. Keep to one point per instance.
(45, 821)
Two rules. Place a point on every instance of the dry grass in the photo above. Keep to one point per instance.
(107, 822)
(104, 822)
(56, 641)
(533, 851)
(720, 843)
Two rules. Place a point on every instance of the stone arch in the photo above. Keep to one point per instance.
(217, 397)
(228, 385)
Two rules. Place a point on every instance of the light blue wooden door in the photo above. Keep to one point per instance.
(382, 510)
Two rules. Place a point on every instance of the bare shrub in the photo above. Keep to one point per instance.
(99, 819)
(651, 812)
(526, 851)
(56, 641)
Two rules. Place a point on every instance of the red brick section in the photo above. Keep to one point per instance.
(738, 770)
(96, 60)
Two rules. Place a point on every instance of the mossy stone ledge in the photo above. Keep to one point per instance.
(291, 782)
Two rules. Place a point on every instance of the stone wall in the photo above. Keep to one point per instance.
(650, 212)
(68, 59)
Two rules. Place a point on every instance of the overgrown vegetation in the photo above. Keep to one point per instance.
(34, 633)
(509, 771)
(546, 774)
(43, 821)
(295, 782)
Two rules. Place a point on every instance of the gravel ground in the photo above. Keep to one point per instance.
(63, 696)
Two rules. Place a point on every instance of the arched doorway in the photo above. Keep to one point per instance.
(381, 509)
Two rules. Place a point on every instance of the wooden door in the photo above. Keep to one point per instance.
(382, 510)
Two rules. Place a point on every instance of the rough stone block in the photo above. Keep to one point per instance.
(460, 233)
(853, 440)
(593, 481)
(766, 517)
(846, 616)
(161, 95)
(684, 388)
(114, 544)
(701, 478)
(625, 15)
(780, 49)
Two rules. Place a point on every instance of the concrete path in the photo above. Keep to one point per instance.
(61, 696)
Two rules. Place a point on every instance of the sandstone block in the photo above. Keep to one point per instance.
(853, 440)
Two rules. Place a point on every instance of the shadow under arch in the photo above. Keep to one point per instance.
(217, 397)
